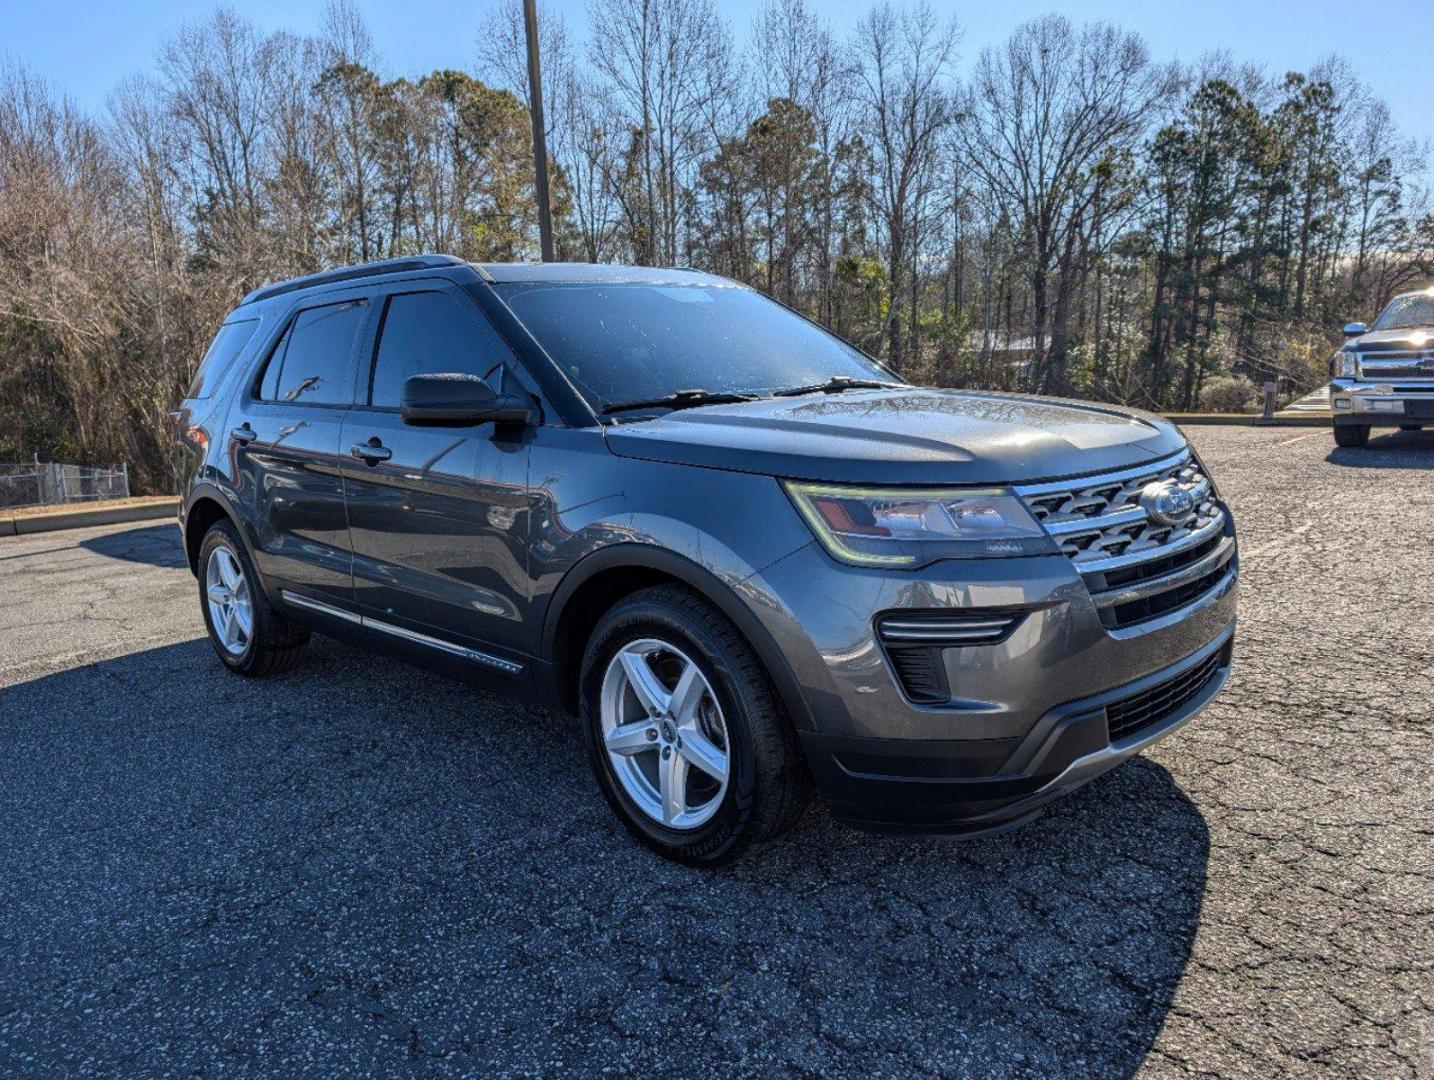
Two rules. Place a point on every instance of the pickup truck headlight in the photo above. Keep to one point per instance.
(911, 527)
(1348, 364)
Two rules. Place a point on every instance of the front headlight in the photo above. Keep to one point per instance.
(1348, 364)
(911, 527)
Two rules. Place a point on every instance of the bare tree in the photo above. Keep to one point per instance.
(902, 58)
(669, 66)
(1040, 119)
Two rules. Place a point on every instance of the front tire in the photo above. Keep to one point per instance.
(689, 744)
(249, 636)
(1354, 435)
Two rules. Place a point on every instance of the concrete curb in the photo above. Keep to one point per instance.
(1250, 420)
(141, 510)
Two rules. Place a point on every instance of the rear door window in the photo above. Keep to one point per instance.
(312, 364)
(427, 333)
(220, 356)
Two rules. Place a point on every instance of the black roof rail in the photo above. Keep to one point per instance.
(349, 273)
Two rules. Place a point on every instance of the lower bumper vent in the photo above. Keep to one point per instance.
(1134, 714)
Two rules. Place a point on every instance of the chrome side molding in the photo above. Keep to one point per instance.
(508, 667)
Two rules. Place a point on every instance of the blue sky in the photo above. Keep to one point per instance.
(87, 47)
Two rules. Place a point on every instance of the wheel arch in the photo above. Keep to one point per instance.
(205, 506)
(603, 578)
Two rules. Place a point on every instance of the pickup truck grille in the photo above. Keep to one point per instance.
(1137, 568)
(1400, 364)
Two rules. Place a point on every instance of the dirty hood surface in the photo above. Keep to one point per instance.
(904, 436)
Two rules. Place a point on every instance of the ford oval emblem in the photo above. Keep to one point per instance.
(1166, 502)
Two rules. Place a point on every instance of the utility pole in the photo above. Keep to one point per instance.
(540, 149)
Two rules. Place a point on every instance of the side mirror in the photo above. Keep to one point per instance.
(1354, 329)
(455, 399)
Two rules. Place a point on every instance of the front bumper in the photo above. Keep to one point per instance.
(1069, 747)
(1026, 721)
(1380, 404)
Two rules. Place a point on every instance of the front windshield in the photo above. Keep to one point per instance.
(1405, 312)
(635, 341)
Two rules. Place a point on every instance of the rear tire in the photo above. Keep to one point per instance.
(230, 594)
(1354, 435)
(766, 786)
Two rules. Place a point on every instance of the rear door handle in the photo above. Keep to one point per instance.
(244, 434)
(372, 452)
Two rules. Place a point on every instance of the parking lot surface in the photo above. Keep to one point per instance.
(362, 869)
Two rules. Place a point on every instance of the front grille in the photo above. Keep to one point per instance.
(1132, 715)
(1099, 523)
(1397, 364)
(1119, 616)
(1144, 571)
(914, 641)
(1103, 528)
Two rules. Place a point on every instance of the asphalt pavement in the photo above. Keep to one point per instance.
(363, 869)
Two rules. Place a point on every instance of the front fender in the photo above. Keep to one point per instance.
(724, 593)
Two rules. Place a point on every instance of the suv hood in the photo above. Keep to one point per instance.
(903, 436)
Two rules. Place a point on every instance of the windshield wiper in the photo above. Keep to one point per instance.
(680, 399)
(835, 385)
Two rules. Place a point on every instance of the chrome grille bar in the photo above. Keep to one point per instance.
(1103, 527)
(1398, 364)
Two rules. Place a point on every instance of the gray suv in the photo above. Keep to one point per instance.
(748, 558)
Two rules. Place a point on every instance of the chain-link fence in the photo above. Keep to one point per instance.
(39, 483)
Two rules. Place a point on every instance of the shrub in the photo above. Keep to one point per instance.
(1229, 393)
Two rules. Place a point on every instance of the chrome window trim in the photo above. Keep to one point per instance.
(414, 636)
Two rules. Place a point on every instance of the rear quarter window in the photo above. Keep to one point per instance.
(220, 356)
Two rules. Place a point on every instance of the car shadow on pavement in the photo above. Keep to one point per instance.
(1394, 450)
(154, 545)
(362, 862)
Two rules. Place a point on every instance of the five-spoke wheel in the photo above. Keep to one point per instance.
(249, 635)
(231, 605)
(689, 743)
(664, 733)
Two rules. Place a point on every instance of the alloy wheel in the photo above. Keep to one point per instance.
(664, 733)
(231, 607)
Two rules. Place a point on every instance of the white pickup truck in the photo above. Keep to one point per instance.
(1383, 375)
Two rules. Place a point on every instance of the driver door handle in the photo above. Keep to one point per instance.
(371, 452)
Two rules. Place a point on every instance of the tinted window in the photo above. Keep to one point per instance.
(222, 352)
(310, 365)
(629, 341)
(426, 333)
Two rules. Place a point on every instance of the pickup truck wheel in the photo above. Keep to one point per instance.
(249, 636)
(684, 732)
(1351, 434)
